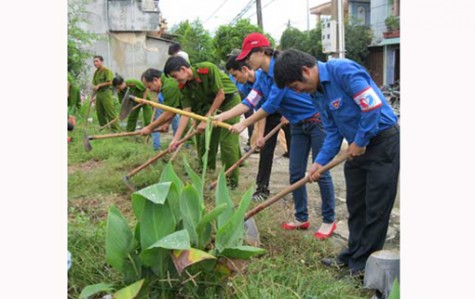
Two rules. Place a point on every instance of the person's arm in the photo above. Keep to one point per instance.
(109, 78)
(179, 131)
(235, 111)
(330, 148)
(256, 116)
(357, 84)
(218, 100)
(260, 133)
(164, 118)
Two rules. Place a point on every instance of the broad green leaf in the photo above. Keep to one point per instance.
(156, 193)
(156, 222)
(231, 234)
(174, 201)
(138, 205)
(156, 259)
(195, 179)
(211, 215)
(169, 175)
(132, 268)
(119, 239)
(129, 292)
(95, 289)
(242, 252)
(394, 290)
(191, 210)
(185, 258)
(222, 196)
(179, 240)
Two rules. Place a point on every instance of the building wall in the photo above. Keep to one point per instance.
(375, 64)
(360, 12)
(380, 10)
(122, 30)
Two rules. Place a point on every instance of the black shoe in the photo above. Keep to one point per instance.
(260, 195)
(333, 263)
(286, 155)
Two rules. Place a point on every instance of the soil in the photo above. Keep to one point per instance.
(284, 210)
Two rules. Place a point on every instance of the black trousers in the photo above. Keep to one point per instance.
(250, 129)
(371, 186)
(266, 155)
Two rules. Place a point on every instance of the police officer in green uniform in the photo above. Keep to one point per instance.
(137, 89)
(74, 95)
(157, 82)
(207, 90)
(102, 82)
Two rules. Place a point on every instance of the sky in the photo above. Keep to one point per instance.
(275, 13)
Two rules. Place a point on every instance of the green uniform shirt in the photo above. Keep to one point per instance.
(170, 92)
(103, 75)
(200, 92)
(136, 88)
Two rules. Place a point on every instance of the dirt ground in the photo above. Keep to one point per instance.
(284, 210)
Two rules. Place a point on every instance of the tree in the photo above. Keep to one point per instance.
(229, 37)
(306, 41)
(294, 38)
(357, 39)
(194, 40)
(78, 38)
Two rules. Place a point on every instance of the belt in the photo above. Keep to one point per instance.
(313, 119)
(386, 133)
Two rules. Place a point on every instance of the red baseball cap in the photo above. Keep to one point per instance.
(251, 41)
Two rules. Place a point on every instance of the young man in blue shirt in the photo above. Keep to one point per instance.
(306, 130)
(243, 78)
(353, 108)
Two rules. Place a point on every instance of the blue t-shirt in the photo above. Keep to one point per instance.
(351, 106)
(265, 94)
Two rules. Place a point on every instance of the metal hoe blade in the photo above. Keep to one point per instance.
(85, 142)
(129, 184)
(251, 233)
(127, 106)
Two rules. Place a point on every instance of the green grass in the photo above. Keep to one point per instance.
(291, 267)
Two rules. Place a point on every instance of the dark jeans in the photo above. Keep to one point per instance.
(308, 136)
(266, 155)
(250, 129)
(371, 186)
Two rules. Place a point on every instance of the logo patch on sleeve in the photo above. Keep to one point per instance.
(203, 71)
(254, 97)
(335, 104)
(368, 99)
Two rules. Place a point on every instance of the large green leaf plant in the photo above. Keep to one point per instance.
(175, 231)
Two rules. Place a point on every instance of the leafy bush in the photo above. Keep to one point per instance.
(174, 232)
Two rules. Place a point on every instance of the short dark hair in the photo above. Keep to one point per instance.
(235, 64)
(174, 64)
(174, 48)
(150, 74)
(99, 57)
(288, 66)
(118, 80)
(267, 51)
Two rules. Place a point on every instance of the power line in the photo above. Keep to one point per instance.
(243, 11)
(222, 4)
(262, 8)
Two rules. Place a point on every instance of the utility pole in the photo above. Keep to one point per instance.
(259, 14)
(308, 20)
(341, 30)
(337, 14)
